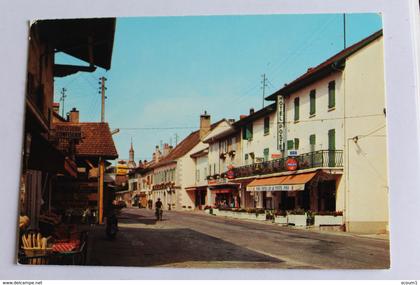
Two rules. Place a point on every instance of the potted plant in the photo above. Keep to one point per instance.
(280, 217)
(328, 218)
(297, 218)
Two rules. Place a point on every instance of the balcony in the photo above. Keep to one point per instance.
(316, 159)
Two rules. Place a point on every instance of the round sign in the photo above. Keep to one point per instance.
(291, 164)
(230, 174)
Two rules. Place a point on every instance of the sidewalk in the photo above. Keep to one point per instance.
(384, 236)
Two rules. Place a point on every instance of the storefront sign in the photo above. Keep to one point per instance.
(280, 123)
(291, 164)
(281, 187)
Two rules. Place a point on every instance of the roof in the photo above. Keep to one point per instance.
(260, 113)
(333, 64)
(184, 146)
(72, 36)
(201, 152)
(96, 140)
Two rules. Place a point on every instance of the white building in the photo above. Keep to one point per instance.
(175, 174)
(334, 117)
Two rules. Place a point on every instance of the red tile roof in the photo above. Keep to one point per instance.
(325, 68)
(96, 140)
(184, 147)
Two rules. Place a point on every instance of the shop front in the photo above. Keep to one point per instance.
(225, 195)
(198, 194)
(311, 191)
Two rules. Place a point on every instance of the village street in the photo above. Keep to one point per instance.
(194, 239)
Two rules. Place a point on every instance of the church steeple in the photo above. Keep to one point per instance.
(131, 162)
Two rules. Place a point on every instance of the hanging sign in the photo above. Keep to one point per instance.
(280, 123)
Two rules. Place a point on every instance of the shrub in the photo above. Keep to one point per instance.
(297, 212)
(280, 213)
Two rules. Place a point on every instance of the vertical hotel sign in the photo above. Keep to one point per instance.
(280, 123)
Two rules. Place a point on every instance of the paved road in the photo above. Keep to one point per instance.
(187, 239)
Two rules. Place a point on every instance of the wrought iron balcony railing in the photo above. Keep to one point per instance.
(316, 159)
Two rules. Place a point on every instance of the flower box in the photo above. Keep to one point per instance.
(327, 220)
(280, 220)
(297, 220)
(260, 217)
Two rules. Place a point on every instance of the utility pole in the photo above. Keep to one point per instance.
(344, 28)
(62, 98)
(103, 97)
(264, 84)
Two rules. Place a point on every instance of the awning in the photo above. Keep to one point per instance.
(196, 188)
(281, 183)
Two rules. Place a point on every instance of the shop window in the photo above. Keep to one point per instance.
(331, 94)
(266, 125)
(312, 105)
(296, 102)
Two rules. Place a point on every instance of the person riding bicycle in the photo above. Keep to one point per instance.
(158, 206)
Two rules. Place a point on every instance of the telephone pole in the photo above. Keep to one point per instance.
(344, 28)
(103, 97)
(264, 84)
(62, 98)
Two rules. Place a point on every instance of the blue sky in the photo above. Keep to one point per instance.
(167, 70)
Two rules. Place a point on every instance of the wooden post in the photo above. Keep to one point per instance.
(101, 190)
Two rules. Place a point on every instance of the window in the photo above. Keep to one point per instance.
(296, 143)
(266, 153)
(331, 94)
(247, 132)
(312, 142)
(312, 105)
(296, 109)
(246, 158)
(266, 125)
(197, 175)
(290, 144)
(331, 148)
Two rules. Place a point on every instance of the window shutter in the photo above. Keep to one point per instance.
(296, 109)
(296, 143)
(290, 144)
(331, 139)
(312, 139)
(312, 108)
(266, 125)
(331, 94)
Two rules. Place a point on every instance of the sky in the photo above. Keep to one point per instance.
(166, 71)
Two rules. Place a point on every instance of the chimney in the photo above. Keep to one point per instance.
(204, 125)
(251, 111)
(74, 116)
(56, 107)
(166, 149)
(157, 154)
(231, 121)
(241, 117)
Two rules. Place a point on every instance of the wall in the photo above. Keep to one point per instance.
(366, 167)
(260, 141)
(323, 120)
